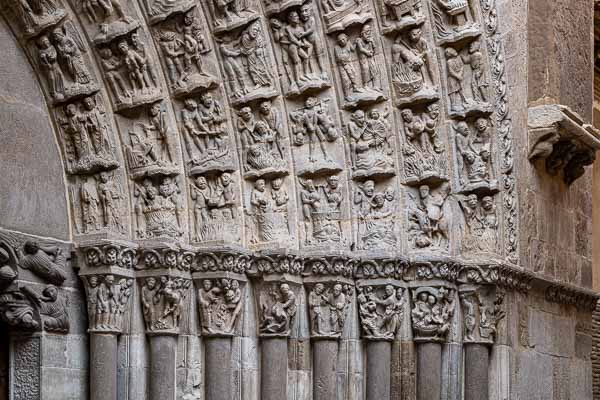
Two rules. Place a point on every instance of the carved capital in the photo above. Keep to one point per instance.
(482, 310)
(107, 256)
(381, 307)
(381, 268)
(432, 311)
(277, 304)
(497, 274)
(559, 136)
(165, 256)
(108, 301)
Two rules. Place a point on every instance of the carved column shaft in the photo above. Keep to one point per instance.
(477, 364)
(218, 368)
(429, 371)
(163, 362)
(379, 358)
(274, 368)
(103, 365)
(325, 354)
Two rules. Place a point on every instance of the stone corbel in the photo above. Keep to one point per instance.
(165, 280)
(107, 272)
(561, 138)
(220, 281)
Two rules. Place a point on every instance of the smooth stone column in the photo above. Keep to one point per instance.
(274, 369)
(218, 368)
(429, 371)
(103, 366)
(379, 364)
(163, 358)
(325, 354)
(477, 363)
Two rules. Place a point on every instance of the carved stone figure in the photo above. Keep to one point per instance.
(163, 302)
(37, 15)
(215, 208)
(232, 14)
(380, 310)
(268, 211)
(297, 39)
(376, 214)
(453, 20)
(423, 149)
(431, 313)
(277, 311)
(247, 65)
(340, 14)
(262, 148)
(159, 10)
(314, 124)
(401, 14)
(88, 142)
(328, 308)
(42, 262)
(321, 211)
(371, 143)
(481, 224)
(205, 138)
(159, 209)
(219, 303)
(429, 218)
(474, 155)
(48, 57)
(184, 47)
(70, 51)
(482, 312)
(150, 150)
(479, 84)
(412, 73)
(108, 301)
(111, 16)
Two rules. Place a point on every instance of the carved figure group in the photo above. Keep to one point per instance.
(99, 200)
(247, 65)
(88, 141)
(158, 208)
(376, 214)
(220, 303)
(37, 15)
(107, 300)
(328, 307)
(300, 48)
(474, 154)
(380, 310)
(111, 16)
(371, 143)
(453, 20)
(368, 86)
(163, 302)
(269, 211)
(481, 223)
(215, 208)
(432, 311)
(231, 14)
(206, 137)
(339, 14)
(429, 217)
(481, 315)
(322, 210)
(278, 310)
(60, 55)
(461, 102)
(261, 136)
(184, 46)
(423, 149)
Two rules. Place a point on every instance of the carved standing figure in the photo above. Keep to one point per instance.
(49, 60)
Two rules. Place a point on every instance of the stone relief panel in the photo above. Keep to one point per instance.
(229, 15)
(107, 301)
(164, 302)
(33, 17)
(220, 302)
(381, 310)
(340, 14)
(186, 50)
(482, 311)
(432, 311)
(454, 20)
(277, 308)
(159, 10)
(108, 19)
(429, 218)
(376, 216)
(481, 229)
(328, 305)
(399, 15)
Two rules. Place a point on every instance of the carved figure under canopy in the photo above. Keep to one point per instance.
(431, 313)
(159, 209)
(321, 209)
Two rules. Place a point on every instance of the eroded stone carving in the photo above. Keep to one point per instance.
(359, 67)
(267, 211)
(216, 214)
(328, 305)
(231, 14)
(376, 213)
(220, 302)
(159, 208)
(474, 155)
(163, 301)
(302, 55)
(322, 210)
(340, 14)
(454, 20)
(159, 10)
(60, 56)
(380, 310)
(111, 16)
(429, 216)
(482, 311)
(247, 64)
(184, 46)
(423, 148)
(88, 139)
(37, 15)
(481, 224)
(412, 72)
(432, 312)
(278, 307)
(263, 148)
(371, 144)
(107, 301)
(398, 15)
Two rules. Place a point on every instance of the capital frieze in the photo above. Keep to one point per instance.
(482, 307)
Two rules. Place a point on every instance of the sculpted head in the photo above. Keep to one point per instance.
(225, 178)
(246, 113)
(358, 116)
(487, 203)
(260, 185)
(265, 107)
(31, 247)
(414, 34)
(342, 39)
(277, 183)
(369, 187)
(337, 289)
(424, 191)
(190, 104)
(333, 181)
(407, 115)
(451, 53)
(472, 200)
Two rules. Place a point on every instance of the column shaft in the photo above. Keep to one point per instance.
(379, 363)
(163, 357)
(477, 363)
(218, 368)
(325, 354)
(429, 371)
(274, 369)
(103, 366)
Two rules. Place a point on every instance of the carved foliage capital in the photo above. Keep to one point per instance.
(109, 254)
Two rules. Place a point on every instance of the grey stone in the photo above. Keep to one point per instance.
(324, 369)
(218, 373)
(379, 363)
(103, 364)
(274, 369)
(477, 364)
(163, 351)
(429, 371)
